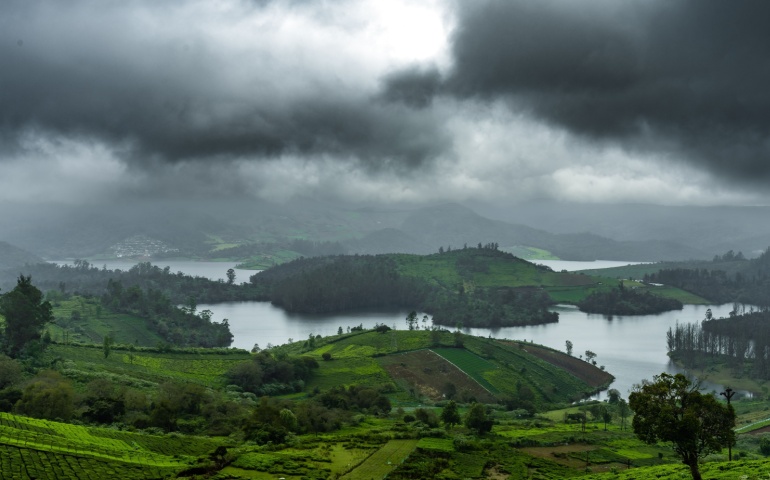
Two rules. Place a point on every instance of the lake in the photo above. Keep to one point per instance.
(632, 348)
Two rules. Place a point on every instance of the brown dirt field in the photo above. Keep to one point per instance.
(571, 462)
(494, 473)
(428, 373)
(759, 430)
(581, 369)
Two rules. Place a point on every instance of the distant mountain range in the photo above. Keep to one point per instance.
(636, 233)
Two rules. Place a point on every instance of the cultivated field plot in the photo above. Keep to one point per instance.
(431, 375)
(383, 461)
(205, 369)
(470, 363)
(581, 369)
(32, 448)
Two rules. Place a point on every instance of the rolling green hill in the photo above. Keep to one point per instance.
(478, 286)
(413, 369)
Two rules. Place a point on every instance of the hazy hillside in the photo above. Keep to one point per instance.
(11, 256)
(195, 228)
(711, 229)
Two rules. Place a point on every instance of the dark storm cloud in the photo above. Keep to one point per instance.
(104, 72)
(686, 78)
(412, 86)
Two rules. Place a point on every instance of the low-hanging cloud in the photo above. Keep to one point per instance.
(686, 78)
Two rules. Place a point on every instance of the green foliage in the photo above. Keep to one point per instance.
(627, 301)
(384, 460)
(450, 415)
(764, 445)
(48, 395)
(26, 313)
(671, 410)
(45, 449)
(477, 419)
(268, 375)
(10, 371)
(470, 363)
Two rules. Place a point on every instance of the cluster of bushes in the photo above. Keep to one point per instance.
(265, 374)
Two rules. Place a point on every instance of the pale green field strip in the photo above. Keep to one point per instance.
(753, 426)
(470, 363)
(69, 439)
(383, 461)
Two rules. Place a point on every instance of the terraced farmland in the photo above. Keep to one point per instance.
(383, 461)
(33, 448)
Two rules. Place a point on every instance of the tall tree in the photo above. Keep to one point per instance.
(25, 315)
(477, 419)
(450, 415)
(670, 409)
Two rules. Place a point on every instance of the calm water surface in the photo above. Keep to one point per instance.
(632, 348)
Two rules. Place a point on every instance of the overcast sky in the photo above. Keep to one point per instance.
(641, 101)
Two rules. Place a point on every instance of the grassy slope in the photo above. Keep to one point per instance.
(32, 448)
(544, 446)
(145, 368)
(498, 367)
(499, 271)
(96, 322)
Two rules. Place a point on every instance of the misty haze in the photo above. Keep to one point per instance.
(403, 239)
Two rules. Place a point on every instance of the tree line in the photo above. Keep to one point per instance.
(741, 340)
(748, 283)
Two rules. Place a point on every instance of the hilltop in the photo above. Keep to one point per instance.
(475, 286)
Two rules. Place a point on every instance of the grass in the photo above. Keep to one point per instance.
(473, 365)
(498, 271)
(530, 253)
(144, 368)
(45, 449)
(92, 322)
(383, 461)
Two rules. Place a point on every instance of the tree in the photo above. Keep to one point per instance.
(671, 409)
(49, 395)
(107, 345)
(623, 411)
(450, 415)
(25, 315)
(590, 355)
(569, 347)
(477, 419)
(230, 276)
(411, 320)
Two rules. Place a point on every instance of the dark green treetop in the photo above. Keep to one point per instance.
(25, 315)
